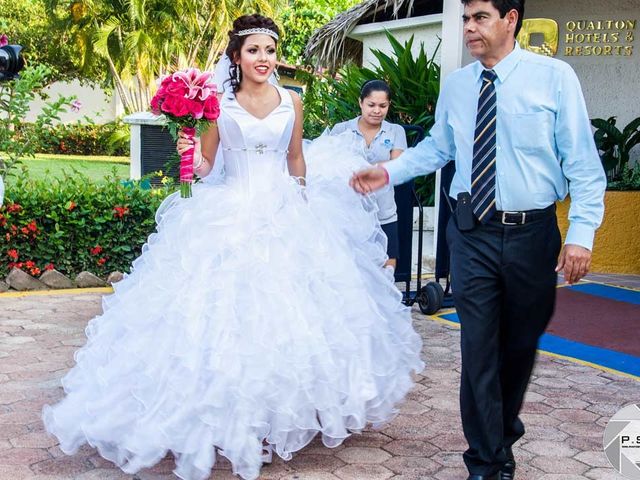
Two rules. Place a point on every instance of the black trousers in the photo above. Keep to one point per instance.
(504, 287)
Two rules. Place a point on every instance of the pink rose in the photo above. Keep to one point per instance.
(4, 40)
(169, 105)
(177, 106)
(211, 108)
(196, 108)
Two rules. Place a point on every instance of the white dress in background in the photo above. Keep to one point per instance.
(252, 314)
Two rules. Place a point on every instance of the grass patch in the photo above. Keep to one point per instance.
(94, 167)
(88, 158)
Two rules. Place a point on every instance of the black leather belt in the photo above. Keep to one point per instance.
(521, 218)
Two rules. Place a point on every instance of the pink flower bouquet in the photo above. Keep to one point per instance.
(188, 100)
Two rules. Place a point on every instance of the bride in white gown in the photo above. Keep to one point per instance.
(259, 314)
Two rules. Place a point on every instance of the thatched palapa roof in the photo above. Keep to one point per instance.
(330, 47)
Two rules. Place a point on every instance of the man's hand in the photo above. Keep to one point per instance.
(369, 180)
(575, 262)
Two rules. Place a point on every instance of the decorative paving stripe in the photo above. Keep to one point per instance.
(601, 358)
(611, 292)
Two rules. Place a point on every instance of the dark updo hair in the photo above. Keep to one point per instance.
(235, 43)
(374, 86)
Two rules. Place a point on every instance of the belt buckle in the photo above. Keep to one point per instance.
(503, 220)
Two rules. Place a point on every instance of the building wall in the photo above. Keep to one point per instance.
(426, 30)
(96, 104)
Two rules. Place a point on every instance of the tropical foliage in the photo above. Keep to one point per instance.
(300, 19)
(142, 39)
(414, 82)
(26, 23)
(128, 44)
(615, 145)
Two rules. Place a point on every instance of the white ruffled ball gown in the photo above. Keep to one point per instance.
(253, 314)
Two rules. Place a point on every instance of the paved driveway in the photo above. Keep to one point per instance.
(567, 408)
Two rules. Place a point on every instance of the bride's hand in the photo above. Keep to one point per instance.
(185, 143)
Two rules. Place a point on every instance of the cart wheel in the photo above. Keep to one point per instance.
(430, 298)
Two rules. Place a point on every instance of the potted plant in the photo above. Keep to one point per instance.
(614, 145)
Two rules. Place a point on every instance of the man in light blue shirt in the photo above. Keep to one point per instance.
(517, 127)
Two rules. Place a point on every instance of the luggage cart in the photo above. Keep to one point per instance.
(447, 207)
(431, 296)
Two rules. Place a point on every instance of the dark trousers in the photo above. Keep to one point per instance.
(504, 286)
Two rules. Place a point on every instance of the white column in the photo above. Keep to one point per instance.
(136, 122)
(452, 41)
(135, 165)
(451, 59)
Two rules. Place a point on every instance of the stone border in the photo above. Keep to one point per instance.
(20, 281)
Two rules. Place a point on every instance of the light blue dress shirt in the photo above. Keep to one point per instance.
(545, 147)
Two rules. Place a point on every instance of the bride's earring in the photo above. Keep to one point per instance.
(237, 73)
(276, 74)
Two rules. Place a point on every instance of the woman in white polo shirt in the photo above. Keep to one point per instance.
(380, 141)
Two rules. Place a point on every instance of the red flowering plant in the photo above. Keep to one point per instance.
(18, 234)
(188, 100)
(73, 223)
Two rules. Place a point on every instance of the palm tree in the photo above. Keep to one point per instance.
(143, 39)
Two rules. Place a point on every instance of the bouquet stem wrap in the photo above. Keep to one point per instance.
(187, 99)
(186, 165)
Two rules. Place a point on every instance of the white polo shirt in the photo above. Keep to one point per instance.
(390, 137)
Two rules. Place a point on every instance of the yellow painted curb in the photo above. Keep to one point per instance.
(70, 291)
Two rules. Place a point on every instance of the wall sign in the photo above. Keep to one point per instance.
(582, 38)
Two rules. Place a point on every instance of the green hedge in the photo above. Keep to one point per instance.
(82, 138)
(73, 224)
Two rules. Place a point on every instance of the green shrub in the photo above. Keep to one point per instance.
(73, 224)
(414, 83)
(629, 180)
(83, 138)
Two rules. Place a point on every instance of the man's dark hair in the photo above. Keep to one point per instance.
(504, 7)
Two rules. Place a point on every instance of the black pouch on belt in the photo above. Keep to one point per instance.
(464, 213)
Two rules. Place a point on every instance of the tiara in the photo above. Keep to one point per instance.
(251, 31)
